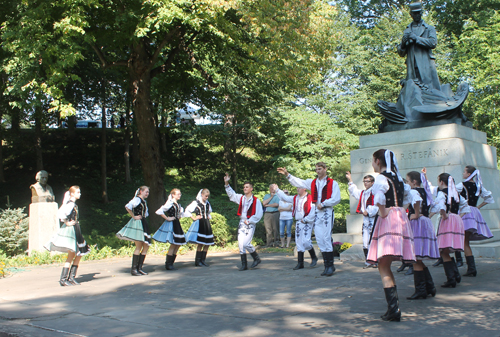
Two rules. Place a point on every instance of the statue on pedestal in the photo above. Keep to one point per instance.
(423, 101)
(41, 191)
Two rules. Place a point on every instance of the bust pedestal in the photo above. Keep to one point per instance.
(43, 224)
(441, 148)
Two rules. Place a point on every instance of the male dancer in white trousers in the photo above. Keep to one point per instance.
(250, 212)
(325, 194)
(304, 214)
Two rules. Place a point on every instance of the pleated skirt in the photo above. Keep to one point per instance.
(475, 224)
(424, 239)
(135, 230)
(171, 232)
(65, 241)
(392, 237)
(200, 232)
(451, 233)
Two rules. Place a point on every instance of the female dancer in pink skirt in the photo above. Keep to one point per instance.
(392, 236)
(474, 225)
(450, 234)
(425, 241)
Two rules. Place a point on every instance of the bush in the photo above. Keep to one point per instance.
(14, 225)
(220, 228)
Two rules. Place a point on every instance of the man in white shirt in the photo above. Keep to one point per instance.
(325, 194)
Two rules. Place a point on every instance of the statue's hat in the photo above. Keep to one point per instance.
(416, 7)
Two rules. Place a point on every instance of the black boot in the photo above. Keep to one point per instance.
(314, 258)
(450, 275)
(458, 258)
(332, 263)
(63, 281)
(471, 266)
(300, 261)
(409, 271)
(365, 251)
(420, 286)
(429, 283)
(403, 267)
(72, 274)
(141, 263)
(169, 262)
(384, 316)
(393, 312)
(197, 259)
(325, 263)
(135, 262)
(256, 259)
(203, 258)
(438, 262)
(243, 262)
(458, 277)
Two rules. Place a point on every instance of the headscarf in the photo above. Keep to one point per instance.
(478, 180)
(198, 196)
(67, 196)
(452, 191)
(137, 192)
(427, 189)
(388, 162)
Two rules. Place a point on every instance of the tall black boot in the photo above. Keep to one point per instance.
(458, 277)
(314, 258)
(203, 258)
(331, 268)
(458, 258)
(63, 281)
(244, 265)
(471, 266)
(197, 259)
(300, 261)
(450, 275)
(384, 316)
(438, 262)
(72, 275)
(325, 262)
(141, 263)
(409, 271)
(429, 283)
(393, 312)
(256, 259)
(365, 251)
(403, 267)
(169, 262)
(420, 286)
(135, 262)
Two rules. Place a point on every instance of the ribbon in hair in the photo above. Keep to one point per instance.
(67, 196)
(478, 180)
(452, 191)
(388, 162)
(427, 189)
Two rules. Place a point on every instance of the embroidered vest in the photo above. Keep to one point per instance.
(174, 211)
(251, 210)
(325, 193)
(140, 209)
(202, 209)
(307, 205)
(369, 202)
(395, 195)
(73, 216)
(454, 207)
(469, 193)
(424, 207)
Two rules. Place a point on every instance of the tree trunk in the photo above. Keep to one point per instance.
(126, 153)
(164, 134)
(2, 176)
(15, 118)
(152, 164)
(38, 138)
(71, 126)
(104, 185)
(234, 160)
(135, 142)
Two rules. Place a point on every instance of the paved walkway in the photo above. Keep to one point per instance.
(273, 300)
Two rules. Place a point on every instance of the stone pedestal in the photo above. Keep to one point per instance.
(43, 224)
(442, 148)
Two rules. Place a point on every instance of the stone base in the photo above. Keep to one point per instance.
(387, 126)
(442, 148)
(43, 224)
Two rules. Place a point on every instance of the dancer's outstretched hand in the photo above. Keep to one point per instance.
(424, 171)
(227, 177)
(282, 170)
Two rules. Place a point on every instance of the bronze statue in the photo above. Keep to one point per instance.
(41, 191)
(423, 101)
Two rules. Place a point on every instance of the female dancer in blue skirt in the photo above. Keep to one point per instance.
(171, 230)
(200, 231)
(69, 237)
(137, 229)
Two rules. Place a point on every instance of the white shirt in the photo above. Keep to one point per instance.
(65, 210)
(331, 200)
(356, 193)
(381, 186)
(247, 202)
(168, 205)
(134, 203)
(192, 207)
(299, 206)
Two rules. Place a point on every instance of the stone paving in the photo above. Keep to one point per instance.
(272, 300)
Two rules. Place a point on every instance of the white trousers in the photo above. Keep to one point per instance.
(367, 230)
(303, 233)
(245, 236)
(323, 224)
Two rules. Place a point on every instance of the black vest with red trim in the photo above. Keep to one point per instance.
(454, 207)
(424, 207)
(326, 192)
(395, 195)
(469, 193)
(307, 205)
(369, 202)
(251, 210)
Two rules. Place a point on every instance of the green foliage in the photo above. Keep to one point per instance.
(13, 231)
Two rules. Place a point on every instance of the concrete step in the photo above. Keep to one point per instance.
(351, 238)
(491, 250)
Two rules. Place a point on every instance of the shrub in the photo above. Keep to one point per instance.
(14, 225)
(220, 228)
